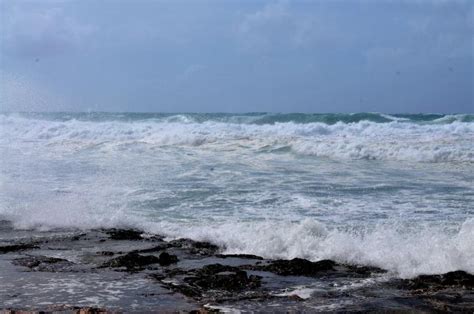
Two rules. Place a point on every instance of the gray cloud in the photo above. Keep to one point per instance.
(272, 27)
(42, 31)
(318, 56)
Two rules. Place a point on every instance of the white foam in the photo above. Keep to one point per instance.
(451, 118)
(403, 251)
(363, 140)
(393, 118)
(222, 309)
(299, 291)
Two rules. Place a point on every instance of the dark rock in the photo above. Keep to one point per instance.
(91, 310)
(166, 259)
(171, 272)
(132, 261)
(168, 273)
(362, 271)
(34, 261)
(230, 285)
(52, 248)
(124, 234)
(243, 256)
(217, 276)
(78, 237)
(156, 248)
(448, 300)
(74, 309)
(16, 247)
(43, 263)
(214, 283)
(212, 269)
(154, 238)
(106, 253)
(158, 276)
(295, 297)
(204, 311)
(195, 247)
(454, 279)
(188, 291)
(297, 267)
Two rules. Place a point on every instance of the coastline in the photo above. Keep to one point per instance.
(117, 270)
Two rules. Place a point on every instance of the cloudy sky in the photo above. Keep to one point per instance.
(237, 56)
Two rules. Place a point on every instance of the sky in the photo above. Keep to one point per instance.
(393, 56)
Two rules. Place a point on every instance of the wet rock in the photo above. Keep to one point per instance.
(297, 267)
(60, 309)
(455, 279)
(125, 234)
(78, 237)
(204, 311)
(243, 256)
(16, 247)
(215, 282)
(449, 301)
(132, 261)
(217, 276)
(166, 259)
(43, 263)
(361, 271)
(154, 238)
(172, 272)
(76, 309)
(106, 253)
(156, 248)
(195, 247)
(205, 282)
(187, 290)
(295, 297)
(166, 273)
(91, 310)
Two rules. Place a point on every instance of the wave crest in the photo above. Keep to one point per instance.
(395, 140)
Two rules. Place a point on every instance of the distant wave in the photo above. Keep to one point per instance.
(437, 139)
(251, 118)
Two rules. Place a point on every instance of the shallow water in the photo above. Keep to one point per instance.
(393, 191)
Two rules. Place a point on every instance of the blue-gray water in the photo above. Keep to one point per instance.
(394, 191)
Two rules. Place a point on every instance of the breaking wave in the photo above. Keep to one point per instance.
(406, 251)
(443, 139)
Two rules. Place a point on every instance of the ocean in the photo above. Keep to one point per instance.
(392, 191)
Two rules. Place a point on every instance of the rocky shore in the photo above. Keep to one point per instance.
(114, 270)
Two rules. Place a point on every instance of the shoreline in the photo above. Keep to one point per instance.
(123, 270)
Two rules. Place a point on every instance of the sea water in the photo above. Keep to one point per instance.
(393, 191)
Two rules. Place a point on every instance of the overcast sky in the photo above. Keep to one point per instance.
(237, 56)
